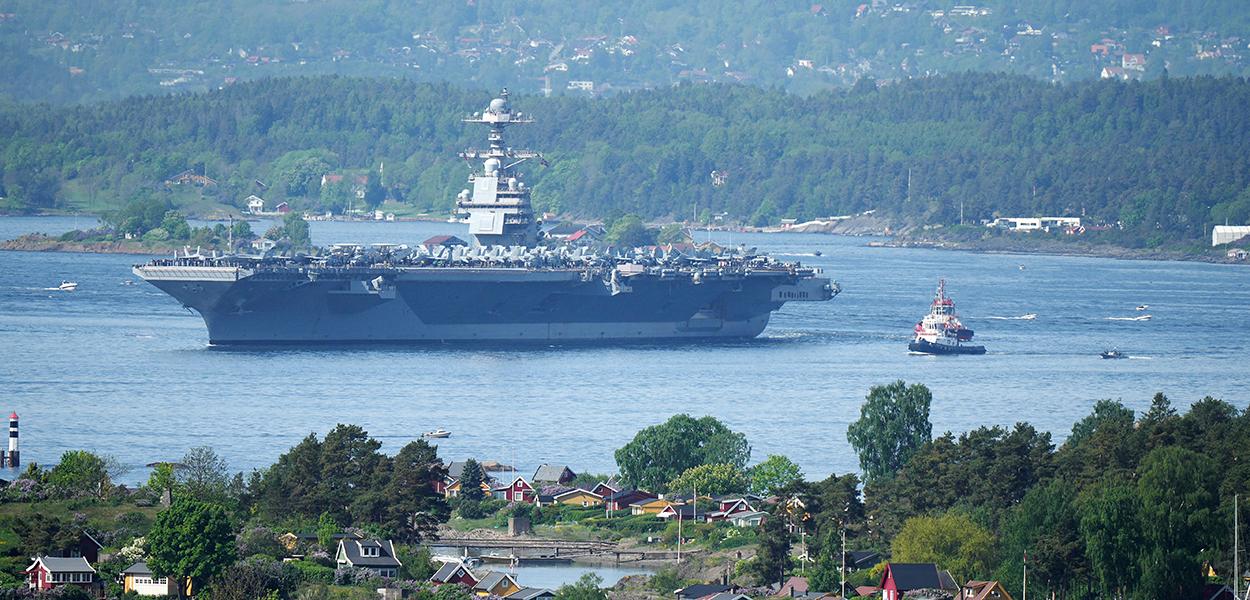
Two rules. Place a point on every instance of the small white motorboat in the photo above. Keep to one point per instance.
(1143, 306)
(67, 286)
(437, 433)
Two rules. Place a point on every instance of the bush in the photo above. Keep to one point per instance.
(253, 578)
(356, 576)
(312, 572)
(666, 580)
(260, 540)
(156, 235)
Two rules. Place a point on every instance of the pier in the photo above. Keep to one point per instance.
(570, 549)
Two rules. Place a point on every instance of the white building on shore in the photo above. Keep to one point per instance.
(1224, 234)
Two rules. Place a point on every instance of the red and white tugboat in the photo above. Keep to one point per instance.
(940, 331)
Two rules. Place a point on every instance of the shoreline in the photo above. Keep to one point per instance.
(39, 242)
(36, 242)
(1112, 252)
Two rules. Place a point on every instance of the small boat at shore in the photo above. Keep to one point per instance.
(940, 331)
(437, 433)
(541, 559)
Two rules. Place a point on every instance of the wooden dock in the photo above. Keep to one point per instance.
(561, 549)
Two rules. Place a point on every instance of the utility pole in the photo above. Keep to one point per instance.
(1025, 596)
(842, 586)
(679, 519)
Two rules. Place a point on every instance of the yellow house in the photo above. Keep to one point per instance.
(496, 584)
(650, 507)
(453, 489)
(579, 497)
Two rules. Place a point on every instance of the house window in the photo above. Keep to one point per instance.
(369, 551)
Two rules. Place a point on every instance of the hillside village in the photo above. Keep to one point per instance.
(886, 41)
(69, 568)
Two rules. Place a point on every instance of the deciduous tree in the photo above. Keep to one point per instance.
(660, 453)
(191, 541)
(951, 540)
(713, 479)
(893, 424)
(773, 474)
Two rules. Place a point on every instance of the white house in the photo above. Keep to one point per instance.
(1223, 234)
(255, 204)
(138, 578)
(376, 555)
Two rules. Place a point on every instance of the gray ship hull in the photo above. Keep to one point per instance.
(491, 304)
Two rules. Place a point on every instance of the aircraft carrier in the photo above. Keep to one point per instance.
(508, 285)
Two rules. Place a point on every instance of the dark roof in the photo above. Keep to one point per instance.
(914, 576)
(385, 557)
(490, 580)
(700, 590)
(683, 512)
(862, 559)
(628, 496)
(551, 473)
(447, 571)
(139, 568)
(530, 593)
(455, 469)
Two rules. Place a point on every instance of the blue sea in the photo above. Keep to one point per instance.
(124, 370)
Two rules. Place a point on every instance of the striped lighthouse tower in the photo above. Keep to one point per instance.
(13, 458)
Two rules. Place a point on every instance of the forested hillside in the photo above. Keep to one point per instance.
(98, 49)
(1164, 158)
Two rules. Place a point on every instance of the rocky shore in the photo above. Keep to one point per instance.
(38, 242)
(1064, 248)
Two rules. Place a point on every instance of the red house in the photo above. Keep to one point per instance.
(454, 572)
(900, 578)
(517, 491)
(604, 489)
(51, 572)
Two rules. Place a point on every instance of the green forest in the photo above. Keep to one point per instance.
(1163, 159)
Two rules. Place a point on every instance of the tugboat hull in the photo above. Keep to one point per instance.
(924, 347)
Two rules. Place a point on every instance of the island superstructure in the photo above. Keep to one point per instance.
(509, 286)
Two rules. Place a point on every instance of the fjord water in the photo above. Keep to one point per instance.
(124, 370)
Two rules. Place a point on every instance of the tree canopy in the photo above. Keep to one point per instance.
(661, 453)
(191, 541)
(893, 424)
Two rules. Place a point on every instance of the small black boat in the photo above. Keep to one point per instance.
(1113, 354)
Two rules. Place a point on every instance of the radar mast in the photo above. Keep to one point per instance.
(497, 204)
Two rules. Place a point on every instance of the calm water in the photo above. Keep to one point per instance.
(124, 370)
